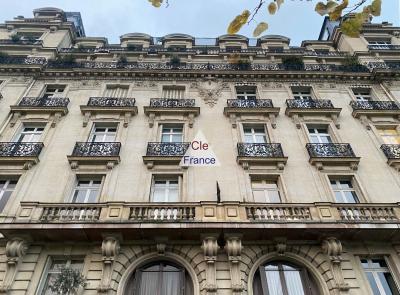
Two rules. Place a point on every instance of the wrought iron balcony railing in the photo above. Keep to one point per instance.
(23, 60)
(44, 102)
(96, 149)
(167, 149)
(391, 151)
(111, 102)
(264, 150)
(171, 103)
(384, 47)
(330, 150)
(20, 42)
(375, 105)
(309, 103)
(20, 149)
(247, 103)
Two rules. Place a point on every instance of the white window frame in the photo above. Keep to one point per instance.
(89, 188)
(375, 272)
(267, 191)
(173, 92)
(302, 93)
(246, 93)
(317, 134)
(23, 35)
(379, 130)
(360, 96)
(4, 189)
(31, 134)
(46, 271)
(342, 191)
(171, 133)
(56, 93)
(105, 133)
(167, 179)
(116, 90)
(254, 133)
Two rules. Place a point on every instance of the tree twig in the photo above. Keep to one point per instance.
(255, 11)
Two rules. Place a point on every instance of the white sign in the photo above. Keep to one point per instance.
(199, 153)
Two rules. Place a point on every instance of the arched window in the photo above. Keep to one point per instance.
(282, 278)
(160, 278)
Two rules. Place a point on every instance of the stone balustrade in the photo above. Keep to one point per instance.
(207, 212)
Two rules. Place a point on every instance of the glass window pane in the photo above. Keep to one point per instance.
(158, 194)
(259, 196)
(294, 283)
(173, 195)
(93, 196)
(171, 283)
(339, 197)
(373, 284)
(351, 197)
(274, 197)
(383, 278)
(274, 283)
(4, 199)
(79, 196)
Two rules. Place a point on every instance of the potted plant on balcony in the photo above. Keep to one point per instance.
(15, 38)
(67, 282)
(3, 55)
(293, 62)
(68, 59)
(244, 64)
(352, 63)
(122, 60)
(175, 61)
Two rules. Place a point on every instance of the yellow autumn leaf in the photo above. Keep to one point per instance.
(352, 26)
(238, 22)
(233, 58)
(261, 27)
(272, 8)
(156, 3)
(376, 7)
(322, 8)
(279, 3)
(337, 11)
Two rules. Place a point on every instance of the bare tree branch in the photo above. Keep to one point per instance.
(255, 11)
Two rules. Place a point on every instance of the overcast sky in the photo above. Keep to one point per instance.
(200, 18)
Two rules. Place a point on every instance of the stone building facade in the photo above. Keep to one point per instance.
(305, 199)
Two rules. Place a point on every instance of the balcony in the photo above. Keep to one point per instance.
(168, 153)
(392, 153)
(365, 109)
(188, 220)
(54, 107)
(261, 154)
(384, 47)
(236, 108)
(298, 108)
(169, 106)
(121, 108)
(95, 153)
(20, 154)
(332, 154)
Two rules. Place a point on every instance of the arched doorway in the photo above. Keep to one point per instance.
(160, 278)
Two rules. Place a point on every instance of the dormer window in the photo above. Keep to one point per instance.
(302, 93)
(246, 93)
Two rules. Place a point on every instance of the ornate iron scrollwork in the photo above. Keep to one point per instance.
(111, 102)
(391, 151)
(267, 150)
(172, 103)
(250, 103)
(20, 149)
(375, 105)
(167, 149)
(309, 104)
(44, 102)
(96, 149)
(330, 150)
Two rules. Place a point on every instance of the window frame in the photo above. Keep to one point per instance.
(180, 89)
(302, 93)
(245, 92)
(171, 126)
(119, 94)
(316, 127)
(277, 178)
(355, 90)
(106, 125)
(8, 178)
(166, 177)
(355, 181)
(254, 126)
(17, 136)
(46, 94)
(380, 127)
(91, 178)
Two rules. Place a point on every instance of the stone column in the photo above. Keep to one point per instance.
(15, 249)
(332, 247)
(233, 249)
(210, 249)
(109, 249)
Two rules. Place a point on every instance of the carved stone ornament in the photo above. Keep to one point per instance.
(233, 249)
(333, 248)
(109, 250)
(210, 250)
(209, 90)
(15, 249)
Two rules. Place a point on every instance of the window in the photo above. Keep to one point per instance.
(276, 49)
(233, 49)
(86, 190)
(321, 50)
(117, 91)
(281, 278)
(165, 189)
(173, 92)
(30, 36)
(362, 94)
(30, 133)
(382, 44)
(344, 190)
(53, 268)
(254, 134)
(172, 133)
(302, 93)
(104, 133)
(54, 91)
(7, 187)
(160, 278)
(265, 191)
(246, 93)
(379, 277)
(389, 136)
(319, 134)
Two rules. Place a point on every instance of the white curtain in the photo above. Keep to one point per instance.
(274, 283)
(171, 283)
(293, 282)
(149, 283)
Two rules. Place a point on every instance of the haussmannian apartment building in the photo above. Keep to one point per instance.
(306, 200)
